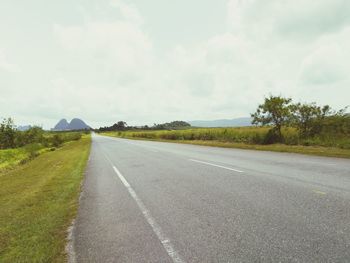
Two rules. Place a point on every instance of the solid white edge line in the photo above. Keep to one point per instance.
(150, 220)
(216, 165)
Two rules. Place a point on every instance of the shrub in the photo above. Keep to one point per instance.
(33, 150)
(7, 134)
(56, 140)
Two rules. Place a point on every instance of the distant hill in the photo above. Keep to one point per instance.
(237, 122)
(24, 127)
(75, 124)
(62, 125)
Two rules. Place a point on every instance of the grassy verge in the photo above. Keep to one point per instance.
(38, 200)
(50, 141)
(310, 150)
(10, 158)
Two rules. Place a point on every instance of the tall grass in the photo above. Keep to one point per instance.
(246, 135)
(49, 141)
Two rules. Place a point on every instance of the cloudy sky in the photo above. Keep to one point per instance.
(162, 60)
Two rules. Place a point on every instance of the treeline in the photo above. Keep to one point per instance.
(310, 119)
(122, 126)
(10, 137)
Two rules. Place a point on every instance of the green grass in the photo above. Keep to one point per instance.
(11, 157)
(38, 201)
(247, 138)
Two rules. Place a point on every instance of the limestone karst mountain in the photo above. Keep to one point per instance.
(74, 124)
(61, 125)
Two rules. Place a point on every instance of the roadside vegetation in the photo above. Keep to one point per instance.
(18, 147)
(39, 199)
(280, 125)
(122, 126)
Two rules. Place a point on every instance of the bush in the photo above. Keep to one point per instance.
(56, 140)
(74, 136)
(33, 135)
(33, 150)
(272, 137)
(7, 134)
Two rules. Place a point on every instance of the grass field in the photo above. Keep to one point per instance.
(38, 201)
(10, 158)
(246, 138)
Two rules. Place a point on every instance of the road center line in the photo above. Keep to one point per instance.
(165, 241)
(216, 165)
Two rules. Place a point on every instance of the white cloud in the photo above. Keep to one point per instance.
(225, 76)
(128, 11)
(267, 50)
(111, 69)
(325, 65)
(121, 41)
(6, 65)
(292, 19)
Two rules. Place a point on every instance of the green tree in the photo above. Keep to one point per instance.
(331, 122)
(306, 117)
(34, 134)
(120, 125)
(7, 134)
(275, 111)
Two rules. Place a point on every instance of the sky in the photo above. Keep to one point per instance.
(155, 61)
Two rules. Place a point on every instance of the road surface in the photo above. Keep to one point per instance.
(148, 201)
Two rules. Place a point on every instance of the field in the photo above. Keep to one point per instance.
(50, 141)
(248, 138)
(11, 157)
(38, 201)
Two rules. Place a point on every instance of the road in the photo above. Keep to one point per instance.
(148, 201)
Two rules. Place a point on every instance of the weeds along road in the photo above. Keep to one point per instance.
(161, 202)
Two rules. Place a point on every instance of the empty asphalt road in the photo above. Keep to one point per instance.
(161, 202)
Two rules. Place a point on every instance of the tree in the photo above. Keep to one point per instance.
(275, 111)
(331, 122)
(34, 134)
(120, 125)
(306, 116)
(177, 124)
(7, 134)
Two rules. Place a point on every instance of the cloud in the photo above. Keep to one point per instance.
(292, 48)
(121, 41)
(110, 68)
(328, 63)
(6, 65)
(297, 19)
(324, 66)
(227, 75)
(128, 11)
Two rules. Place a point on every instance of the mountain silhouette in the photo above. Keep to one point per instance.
(24, 127)
(61, 125)
(75, 124)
